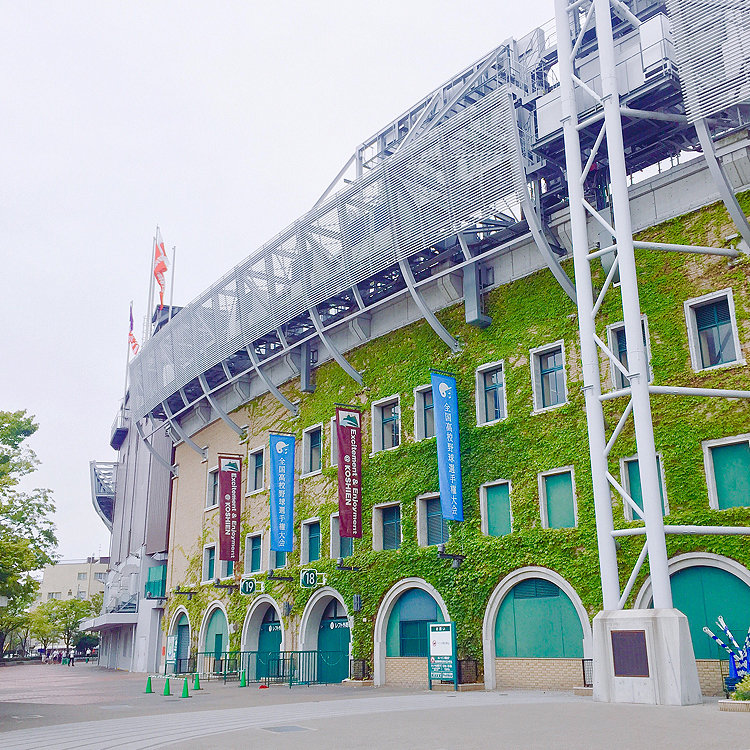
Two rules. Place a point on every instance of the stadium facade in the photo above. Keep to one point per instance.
(446, 243)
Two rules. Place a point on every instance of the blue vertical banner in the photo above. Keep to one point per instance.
(282, 492)
(445, 400)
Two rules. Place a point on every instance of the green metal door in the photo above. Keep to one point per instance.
(182, 652)
(333, 649)
(269, 645)
(702, 594)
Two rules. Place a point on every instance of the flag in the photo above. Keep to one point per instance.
(134, 345)
(160, 265)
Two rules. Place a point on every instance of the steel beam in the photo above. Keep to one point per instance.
(214, 404)
(172, 469)
(275, 392)
(334, 352)
(175, 425)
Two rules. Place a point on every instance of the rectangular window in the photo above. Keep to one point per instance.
(552, 378)
(209, 561)
(558, 500)
(100, 576)
(81, 576)
(346, 546)
(312, 449)
(212, 495)
(414, 637)
(386, 425)
(497, 509)
(279, 559)
(253, 545)
(712, 330)
(424, 413)
(391, 526)
(548, 376)
(728, 472)
(341, 546)
(490, 393)
(631, 477)
(255, 471)
(437, 527)
(227, 568)
(311, 541)
(334, 444)
(618, 344)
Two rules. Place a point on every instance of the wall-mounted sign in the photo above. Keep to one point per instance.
(442, 659)
(282, 492)
(230, 484)
(349, 443)
(250, 586)
(445, 403)
(171, 648)
(309, 578)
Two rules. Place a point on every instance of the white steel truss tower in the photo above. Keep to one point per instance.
(670, 675)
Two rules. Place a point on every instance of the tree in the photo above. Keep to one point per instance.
(43, 625)
(67, 614)
(27, 536)
(86, 641)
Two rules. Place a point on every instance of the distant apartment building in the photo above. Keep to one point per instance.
(73, 579)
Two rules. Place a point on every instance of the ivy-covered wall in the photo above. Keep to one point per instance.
(527, 313)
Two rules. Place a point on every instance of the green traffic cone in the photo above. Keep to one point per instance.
(185, 693)
(196, 684)
(166, 687)
(243, 682)
(149, 689)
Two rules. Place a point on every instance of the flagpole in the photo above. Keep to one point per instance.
(127, 361)
(149, 309)
(171, 282)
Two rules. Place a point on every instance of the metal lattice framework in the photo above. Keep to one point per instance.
(447, 180)
(103, 481)
(712, 40)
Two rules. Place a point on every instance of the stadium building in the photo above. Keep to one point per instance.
(448, 242)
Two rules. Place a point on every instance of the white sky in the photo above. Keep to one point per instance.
(220, 121)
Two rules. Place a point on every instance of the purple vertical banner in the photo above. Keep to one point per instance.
(349, 443)
(230, 485)
(445, 400)
(282, 492)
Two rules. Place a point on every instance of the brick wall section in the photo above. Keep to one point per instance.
(406, 671)
(709, 675)
(539, 674)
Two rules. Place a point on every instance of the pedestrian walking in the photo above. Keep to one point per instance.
(72, 658)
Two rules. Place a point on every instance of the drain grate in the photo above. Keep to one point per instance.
(287, 728)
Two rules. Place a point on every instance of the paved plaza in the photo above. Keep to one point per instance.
(55, 707)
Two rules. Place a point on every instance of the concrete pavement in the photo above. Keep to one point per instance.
(85, 707)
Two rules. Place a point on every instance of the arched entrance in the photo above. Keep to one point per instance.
(325, 629)
(215, 641)
(534, 613)
(262, 639)
(180, 631)
(704, 587)
(401, 631)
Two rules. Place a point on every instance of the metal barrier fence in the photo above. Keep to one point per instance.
(283, 667)
(588, 672)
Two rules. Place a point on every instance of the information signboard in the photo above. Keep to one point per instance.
(442, 653)
(250, 586)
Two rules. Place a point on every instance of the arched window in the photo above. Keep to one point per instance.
(408, 632)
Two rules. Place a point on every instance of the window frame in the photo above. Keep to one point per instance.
(708, 463)
(612, 330)
(483, 513)
(305, 540)
(335, 543)
(376, 423)
(422, 499)
(535, 356)
(224, 575)
(625, 482)
(247, 560)
(306, 447)
(271, 555)
(377, 527)
(204, 563)
(251, 471)
(420, 433)
(209, 488)
(480, 391)
(334, 450)
(542, 485)
(689, 307)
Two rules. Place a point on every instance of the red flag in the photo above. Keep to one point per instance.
(160, 265)
(134, 345)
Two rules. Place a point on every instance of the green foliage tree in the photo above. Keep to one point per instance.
(27, 536)
(43, 625)
(85, 641)
(67, 615)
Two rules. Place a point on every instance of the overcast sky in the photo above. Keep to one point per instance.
(220, 121)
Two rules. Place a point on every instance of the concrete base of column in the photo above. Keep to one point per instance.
(644, 656)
